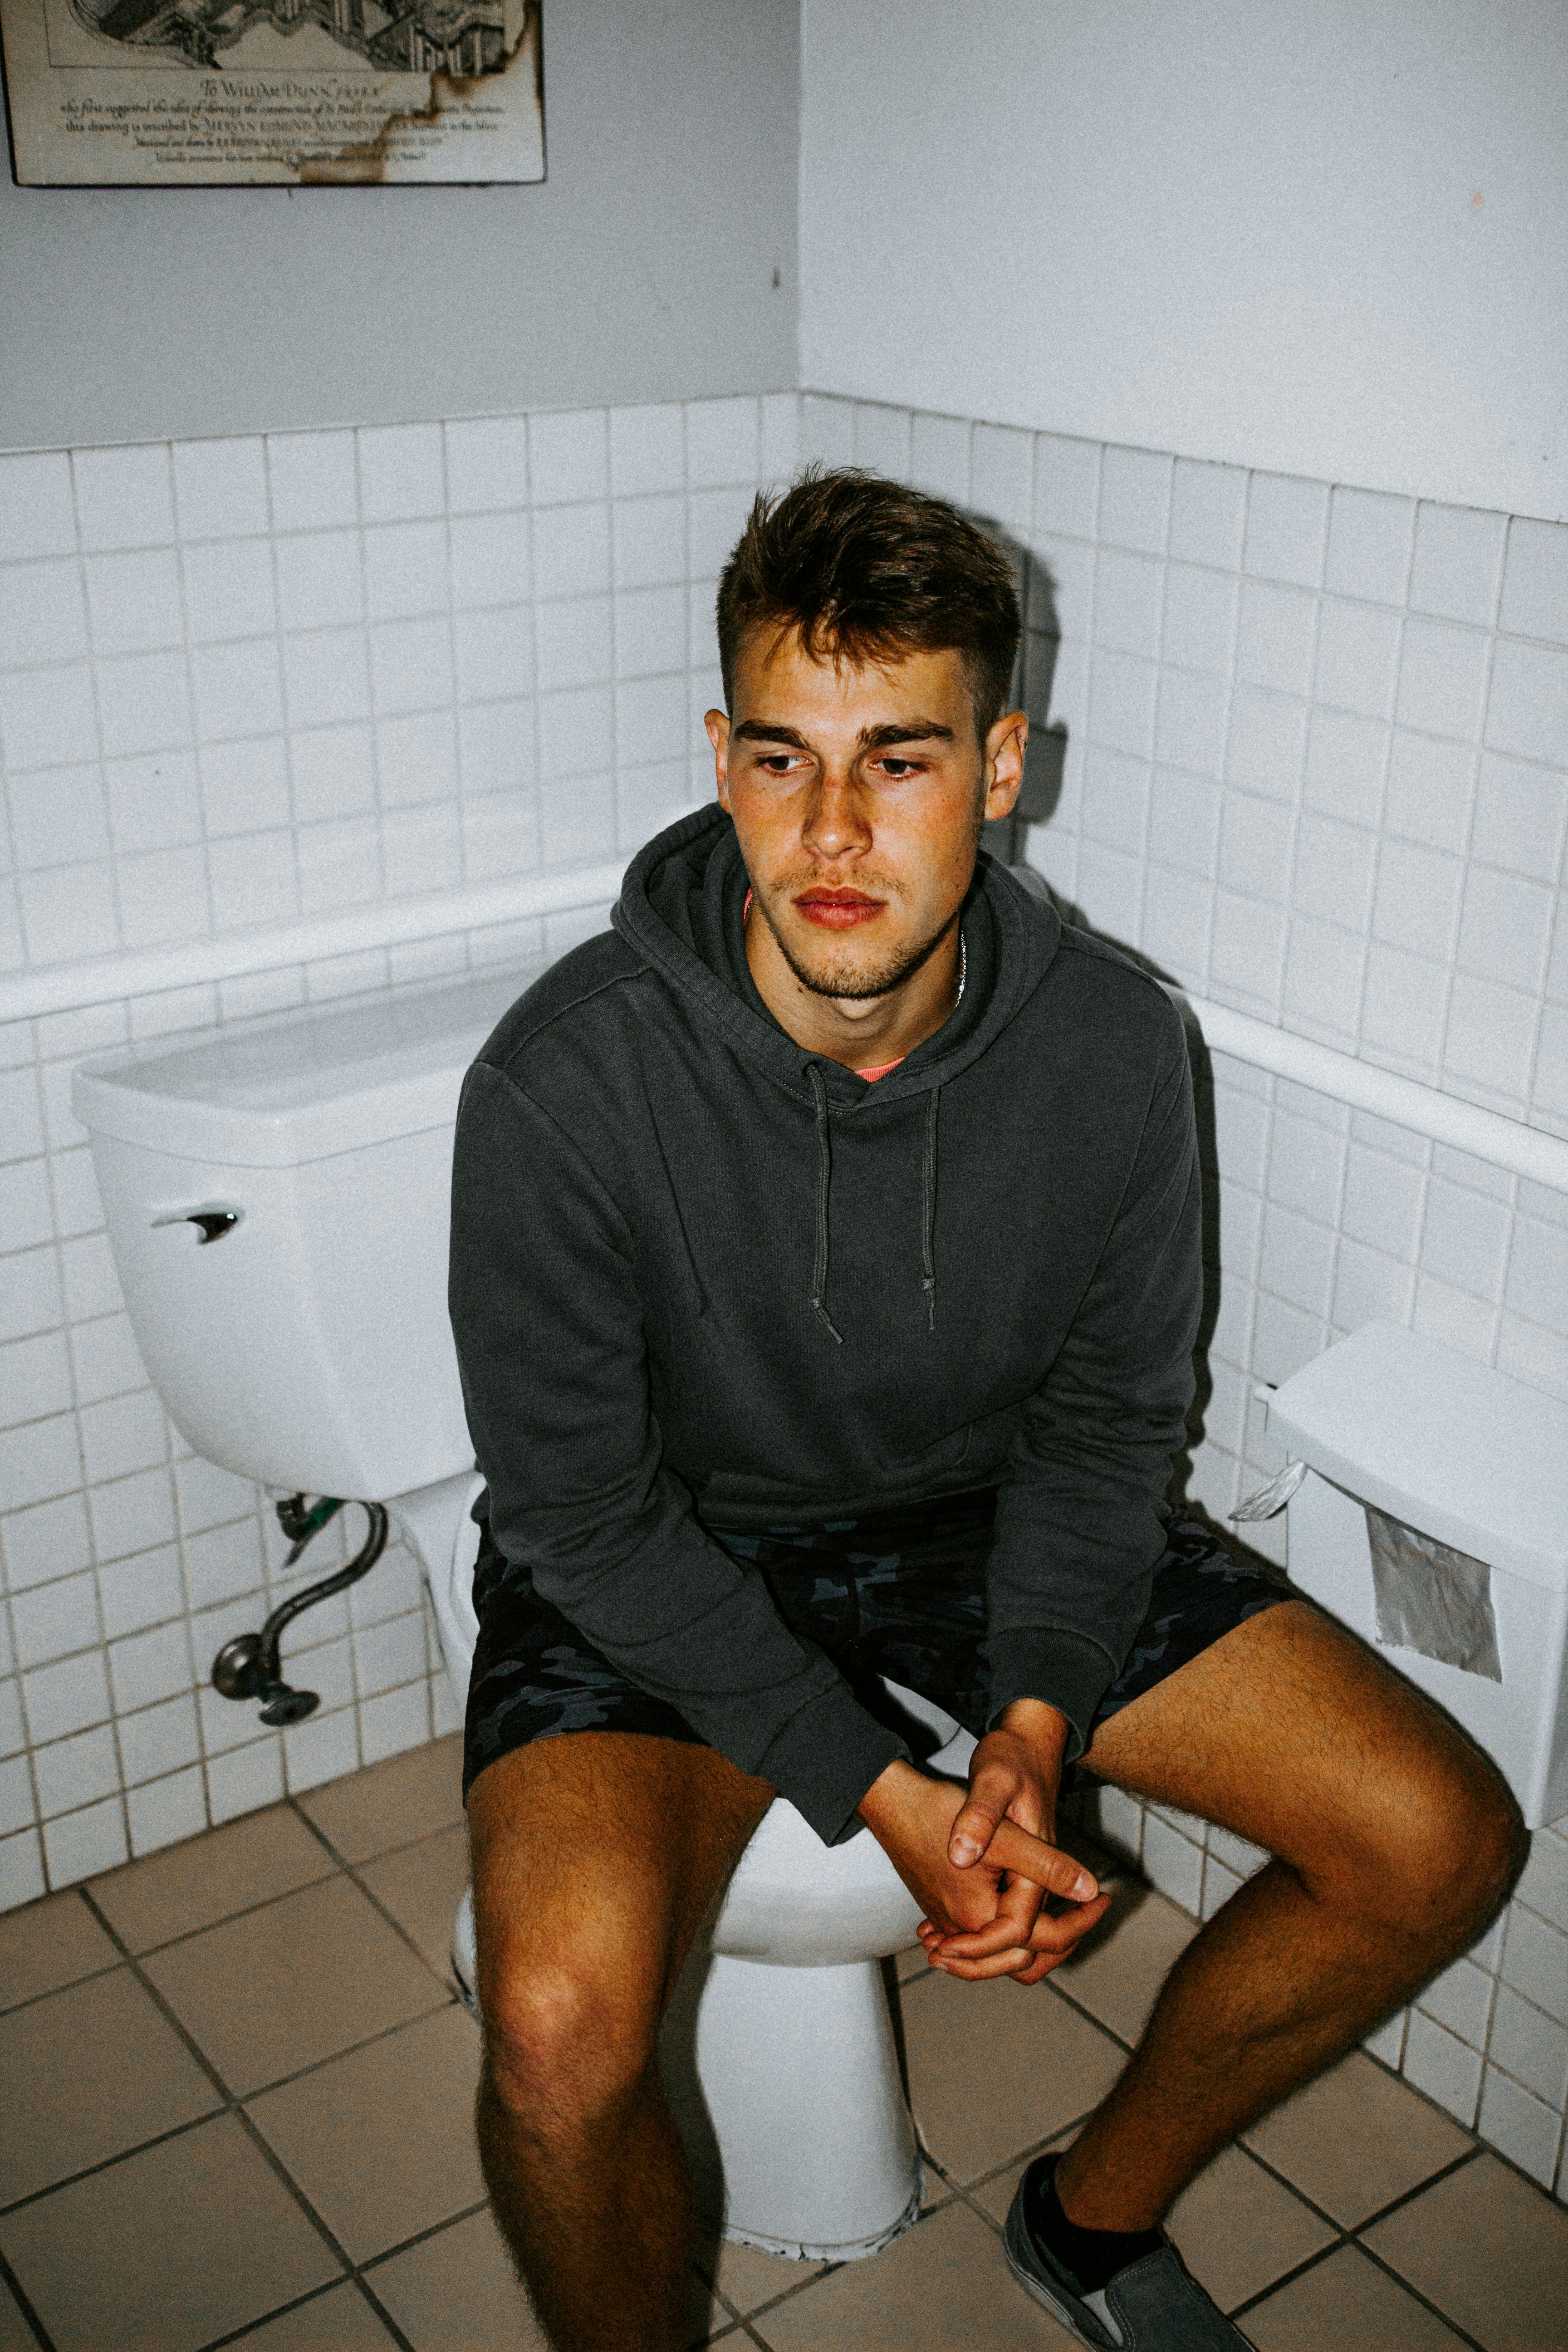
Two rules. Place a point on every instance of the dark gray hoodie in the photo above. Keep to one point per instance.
(701, 1276)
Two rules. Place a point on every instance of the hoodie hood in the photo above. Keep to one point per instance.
(683, 907)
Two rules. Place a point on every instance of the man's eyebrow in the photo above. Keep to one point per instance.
(909, 731)
(764, 731)
(872, 738)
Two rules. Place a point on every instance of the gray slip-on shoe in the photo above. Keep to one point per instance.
(1153, 2305)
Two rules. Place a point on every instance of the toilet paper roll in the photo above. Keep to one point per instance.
(1432, 1599)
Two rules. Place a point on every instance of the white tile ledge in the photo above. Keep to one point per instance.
(353, 930)
(1485, 1134)
(1507, 1143)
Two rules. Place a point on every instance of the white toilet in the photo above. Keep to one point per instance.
(277, 1199)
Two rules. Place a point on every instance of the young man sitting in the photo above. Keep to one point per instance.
(825, 1274)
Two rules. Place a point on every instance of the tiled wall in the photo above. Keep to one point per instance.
(242, 681)
(1314, 767)
(1311, 748)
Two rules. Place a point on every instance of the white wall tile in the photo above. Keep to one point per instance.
(1443, 678)
(124, 497)
(1001, 472)
(487, 463)
(1459, 561)
(400, 471)
(1199, 618)
(1134, 499)
(1275, 637)
(220, 488)
(1287, 522)
(490, 560)
(1527, 710)
(313, 480)
(1535, 581)
(78, 1845)
(1443, 2067)
(568, 456)
(1531, 2046)
(646, 450)
(1267, 741)
(37, 512)
(1525, 2130)
(1370, 538)
(1208, 509)
(1491, 1031)
(46, 717)
(1357, 657)
(939, 459)
(42, 615)
(721, 442)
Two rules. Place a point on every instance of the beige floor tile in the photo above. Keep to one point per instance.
(293, 1983)
(16, 2335)
(421, 1886)
(167, 2249)
(747, 2278)
(1490, 2251)
(381, 2141)
(339, 2321)
(87, 2073)
(1117, 1972)
(456, 2292)
(997, 2194)
(1356, 2138)
(943, 2285)
(994, 2068)
(49, 1943)
(211, 1877)
(391, 1804)
(1238, 2230)
(1342, 2301)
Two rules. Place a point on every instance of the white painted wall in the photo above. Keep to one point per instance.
(1325, 237)
(656, 263)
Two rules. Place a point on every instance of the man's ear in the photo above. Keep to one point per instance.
(718, 725)
(1004, 747)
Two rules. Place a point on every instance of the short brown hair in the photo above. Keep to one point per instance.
(868, 570)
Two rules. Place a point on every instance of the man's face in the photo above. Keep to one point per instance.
(857, 796)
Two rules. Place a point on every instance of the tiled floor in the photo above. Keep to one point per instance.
(238, 2088)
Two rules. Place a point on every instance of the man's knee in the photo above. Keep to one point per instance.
(570, 2033)
(1434, 1849)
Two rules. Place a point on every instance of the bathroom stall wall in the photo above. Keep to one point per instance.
(1305, 751)
(1327, 237)
(244, 682)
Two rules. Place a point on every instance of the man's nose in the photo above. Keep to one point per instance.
(837, 826)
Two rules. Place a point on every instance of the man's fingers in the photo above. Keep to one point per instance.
(991, 1792)
(1014, 1849)
(1049, 1936)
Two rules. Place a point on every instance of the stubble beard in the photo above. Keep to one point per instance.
(841, 972)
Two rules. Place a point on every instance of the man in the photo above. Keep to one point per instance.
(826, 1274)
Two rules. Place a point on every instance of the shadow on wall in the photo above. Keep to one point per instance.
(1007, 841)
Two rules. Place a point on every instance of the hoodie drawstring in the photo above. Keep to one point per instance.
(824, 1180)
(823, 1187)
(928, 1211)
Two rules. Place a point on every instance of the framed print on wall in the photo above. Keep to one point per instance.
(272, 93)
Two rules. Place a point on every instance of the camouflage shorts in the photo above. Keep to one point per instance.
(902, 1594)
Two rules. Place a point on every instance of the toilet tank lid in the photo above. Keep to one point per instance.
(302, 1085)
(1444, 1443)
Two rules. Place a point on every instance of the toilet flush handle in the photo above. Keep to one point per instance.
(216, 1219)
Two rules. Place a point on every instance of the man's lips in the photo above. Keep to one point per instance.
(838, 910)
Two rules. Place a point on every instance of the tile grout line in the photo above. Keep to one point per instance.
(231, 2106)
(352, 1871)
(30, 2317)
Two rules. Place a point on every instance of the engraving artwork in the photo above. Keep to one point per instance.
(273, 93)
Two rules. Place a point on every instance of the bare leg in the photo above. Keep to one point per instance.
(1395, 1843)
(597, 1856)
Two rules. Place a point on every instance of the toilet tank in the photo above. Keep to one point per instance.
(1474, 1462)
(306, 1343)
